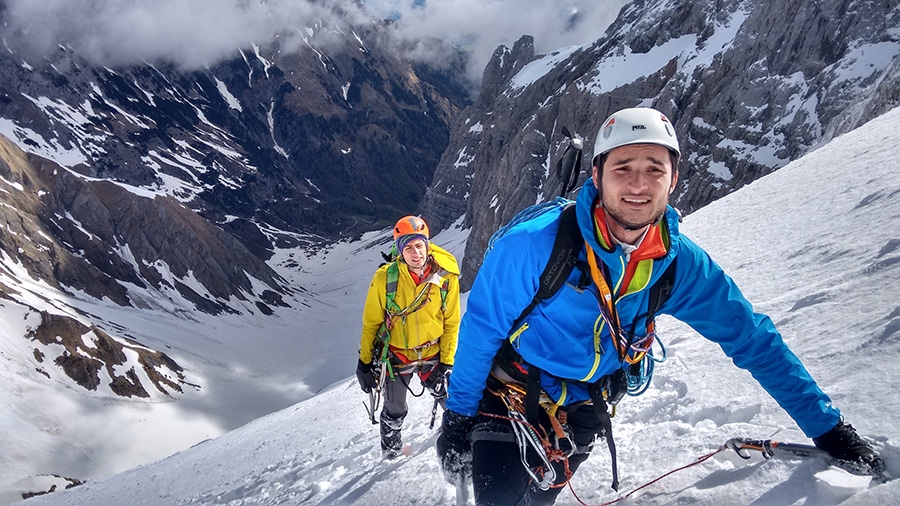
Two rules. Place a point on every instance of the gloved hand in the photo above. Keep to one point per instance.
(453, 447)
(843, 443)
(365, 374)
(436, 381)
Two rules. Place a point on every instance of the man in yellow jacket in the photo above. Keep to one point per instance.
(410, 323)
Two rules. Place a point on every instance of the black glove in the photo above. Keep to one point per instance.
(436, 381)
(365, 374)
(843, 443)
(453, 447)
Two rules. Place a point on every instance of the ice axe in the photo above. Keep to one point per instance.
(439, 395)
(569, 165)
(375, 394)
(770, 448)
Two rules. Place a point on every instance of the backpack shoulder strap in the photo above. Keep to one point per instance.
(661, 290)
(445, 289)
(393, 275)
(562, 260)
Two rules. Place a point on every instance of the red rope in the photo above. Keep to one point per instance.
(698, 461)
(554, 455)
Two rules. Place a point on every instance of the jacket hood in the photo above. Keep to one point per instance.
(444, 259)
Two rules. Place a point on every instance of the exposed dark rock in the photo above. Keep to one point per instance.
(97, 236)
(69, 483)
(90, 356)
(264, 309)
(749, 85)
(82, 370)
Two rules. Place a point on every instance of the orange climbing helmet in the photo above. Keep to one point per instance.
(411, 225)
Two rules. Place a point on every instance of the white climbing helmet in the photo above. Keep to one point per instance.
(638, 125)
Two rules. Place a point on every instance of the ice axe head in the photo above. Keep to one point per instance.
(569, 166)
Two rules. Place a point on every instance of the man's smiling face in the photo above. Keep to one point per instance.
(635, 182)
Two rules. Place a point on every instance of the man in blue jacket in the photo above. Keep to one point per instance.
(572, 348)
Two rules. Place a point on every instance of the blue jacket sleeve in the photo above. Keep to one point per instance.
(504, 286)
(708, 300)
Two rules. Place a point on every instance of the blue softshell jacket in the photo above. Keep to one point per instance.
(560, 338)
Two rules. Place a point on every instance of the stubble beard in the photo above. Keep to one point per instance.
(632, 225)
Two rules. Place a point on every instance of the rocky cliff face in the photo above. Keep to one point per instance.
(750, 86)
(159, 188)
(94, 237)
(101, 238)
(325, 140)
(274, 147)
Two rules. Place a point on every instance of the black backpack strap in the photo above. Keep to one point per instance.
(563, 258)
(661, 290)
(533, 396)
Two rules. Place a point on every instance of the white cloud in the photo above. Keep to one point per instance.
(482, 25)
(195, 33)
(190, 34)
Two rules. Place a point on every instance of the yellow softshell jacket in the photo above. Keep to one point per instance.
(425, 332)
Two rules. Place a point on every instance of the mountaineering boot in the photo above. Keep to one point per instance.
(390, 453)
(843, 443)
(391, 444)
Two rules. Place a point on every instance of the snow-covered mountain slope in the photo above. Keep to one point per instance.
(815, 245)
(230, 368)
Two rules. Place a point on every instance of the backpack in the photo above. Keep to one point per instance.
(563, 259)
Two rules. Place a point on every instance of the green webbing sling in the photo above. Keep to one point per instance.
(392, 310)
